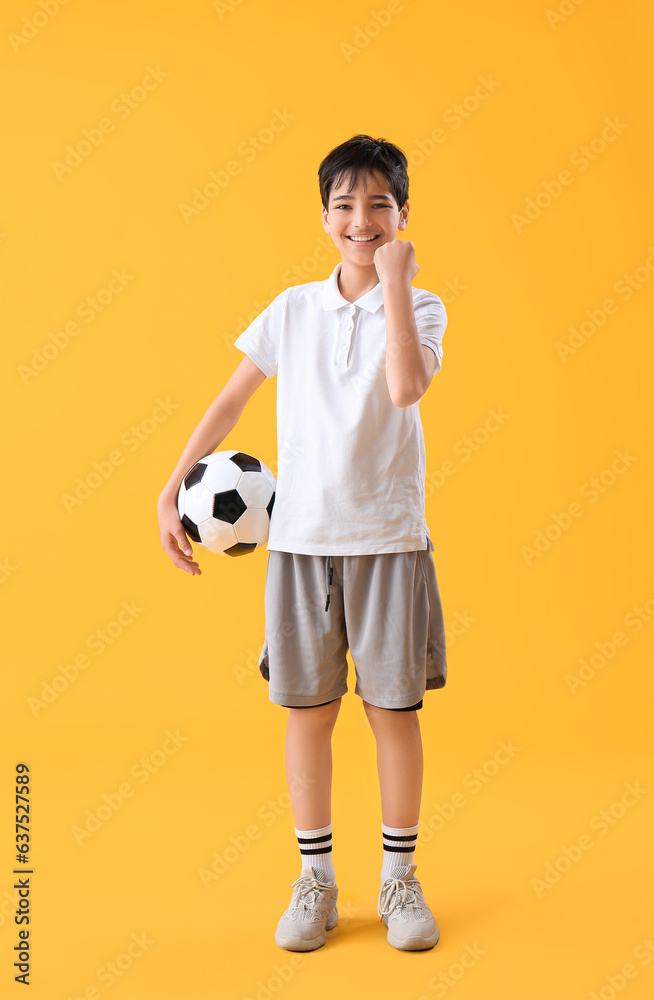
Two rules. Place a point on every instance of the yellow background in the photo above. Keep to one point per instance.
(186, 661)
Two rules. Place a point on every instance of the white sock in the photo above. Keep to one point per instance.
(316, 850)
(399, 845)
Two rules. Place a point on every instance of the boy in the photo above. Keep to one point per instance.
(349, 561)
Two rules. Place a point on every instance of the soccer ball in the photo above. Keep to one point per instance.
(225, 502)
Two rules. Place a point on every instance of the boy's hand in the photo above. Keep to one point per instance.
(174, 540)
(396, 260)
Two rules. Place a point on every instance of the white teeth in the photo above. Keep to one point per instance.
(362, 239)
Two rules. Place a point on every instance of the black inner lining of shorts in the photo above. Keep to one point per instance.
(408, 708)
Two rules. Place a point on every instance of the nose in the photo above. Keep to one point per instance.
(361, 219)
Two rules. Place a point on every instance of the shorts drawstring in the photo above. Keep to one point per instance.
(329, 576)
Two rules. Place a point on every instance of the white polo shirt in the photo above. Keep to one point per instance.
(350, 464)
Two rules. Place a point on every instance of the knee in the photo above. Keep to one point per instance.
(385, 717)
(376, 714)
(323, 716)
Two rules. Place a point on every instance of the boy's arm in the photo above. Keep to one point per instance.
(410, 364)
(221, 417)
(215, 425)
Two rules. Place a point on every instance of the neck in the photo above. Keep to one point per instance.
(354, 281)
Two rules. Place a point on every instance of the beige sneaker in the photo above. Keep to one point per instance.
(311, 913)
(402, 907)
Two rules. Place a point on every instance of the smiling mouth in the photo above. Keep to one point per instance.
(353, 240)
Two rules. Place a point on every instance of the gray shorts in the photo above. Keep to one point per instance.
(385, 608)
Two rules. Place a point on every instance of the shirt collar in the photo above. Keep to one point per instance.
(332, 298)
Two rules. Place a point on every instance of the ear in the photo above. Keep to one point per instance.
(404, 216)
(323, 212)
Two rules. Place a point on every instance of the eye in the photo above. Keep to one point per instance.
(380, 204)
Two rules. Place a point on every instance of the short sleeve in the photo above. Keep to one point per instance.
(431, 320)
(260, 340)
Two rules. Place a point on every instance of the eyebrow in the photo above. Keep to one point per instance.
(373, 197)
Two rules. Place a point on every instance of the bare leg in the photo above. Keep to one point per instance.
(399, 763)
(309, 763)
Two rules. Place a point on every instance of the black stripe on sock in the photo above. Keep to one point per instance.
(314, 840)
(391, 836)
(400, 850)
(317, 850)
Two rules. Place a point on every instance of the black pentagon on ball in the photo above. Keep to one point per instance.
(228, 506)
(191, 529)
(270, 504)
(195, 475)
(246, 463)
(240, 549)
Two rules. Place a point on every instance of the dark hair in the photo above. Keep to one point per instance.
(363, 153)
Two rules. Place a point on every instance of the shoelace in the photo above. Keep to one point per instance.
(390, 892)
(308, 884)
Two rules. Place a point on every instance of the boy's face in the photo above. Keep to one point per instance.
(369, 209)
